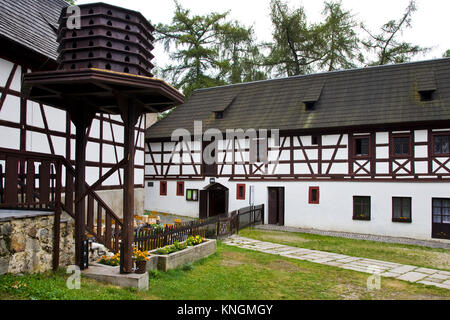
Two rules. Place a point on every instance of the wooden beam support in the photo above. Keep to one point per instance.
(130, 115)
(57, 221)
(82, 117)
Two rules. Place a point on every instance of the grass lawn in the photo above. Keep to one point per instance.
(230, 274)
(399, 253)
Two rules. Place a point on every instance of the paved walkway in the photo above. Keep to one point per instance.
(358, 236)
(409, 273)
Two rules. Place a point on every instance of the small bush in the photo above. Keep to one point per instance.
(188, 267)
(155, 274)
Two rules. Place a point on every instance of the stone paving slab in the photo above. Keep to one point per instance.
(404, 269)
(440, 285)
(427, 276)
(427, 271)
(412, 276)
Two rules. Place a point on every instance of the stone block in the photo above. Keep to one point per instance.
(4, 250)
(438, 276)
(439, 285)
(412, 276)
(426, 270)
(112, 276)
(403, 269)
(4, 265)
(5, 230)
(17, 242)
(180, 258)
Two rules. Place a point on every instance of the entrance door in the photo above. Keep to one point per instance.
(213, 201)
(276, 206)
(441, 218)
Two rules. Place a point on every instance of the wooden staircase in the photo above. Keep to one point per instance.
(37, 181)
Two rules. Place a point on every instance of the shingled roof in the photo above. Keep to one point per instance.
(352, 98)
(32, 23)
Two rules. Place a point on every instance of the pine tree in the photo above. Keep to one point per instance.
(385, 44)
(340, 42)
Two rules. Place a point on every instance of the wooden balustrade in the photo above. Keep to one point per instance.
(34, 181)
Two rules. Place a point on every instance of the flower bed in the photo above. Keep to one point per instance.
(169, 257)
(114, 261)
(177, 255)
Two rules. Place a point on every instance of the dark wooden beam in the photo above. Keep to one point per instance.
(130, 116)
(82, 117)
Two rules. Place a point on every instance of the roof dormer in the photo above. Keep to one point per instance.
(426, 85)
(312, 95)
(219, 111)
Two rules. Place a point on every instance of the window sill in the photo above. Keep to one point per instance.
(402, 220)
(401, 156)
(441, 154)
(361, 218)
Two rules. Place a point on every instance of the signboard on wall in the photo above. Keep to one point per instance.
(252, 196)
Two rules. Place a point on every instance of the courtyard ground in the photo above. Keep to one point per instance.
(230, 274)
(436, 258)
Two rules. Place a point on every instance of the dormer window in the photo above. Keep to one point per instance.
(218, 115)
(313, 94)
(426, 84)
(427, 95)
(309, 106)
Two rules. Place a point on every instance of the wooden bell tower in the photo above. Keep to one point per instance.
(104, 67)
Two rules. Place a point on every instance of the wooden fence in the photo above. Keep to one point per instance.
(147, 239)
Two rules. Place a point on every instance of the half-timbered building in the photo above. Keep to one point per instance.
(363, 151)
(28, 42)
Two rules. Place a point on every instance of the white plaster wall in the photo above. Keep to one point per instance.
(335, 211)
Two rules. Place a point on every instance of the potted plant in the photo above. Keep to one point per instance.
(141, 259)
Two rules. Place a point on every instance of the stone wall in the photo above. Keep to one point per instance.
(26, 244)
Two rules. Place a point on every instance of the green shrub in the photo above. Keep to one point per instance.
(188, 267)
(175, 247)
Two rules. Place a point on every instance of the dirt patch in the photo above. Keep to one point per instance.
(234, 259)
(282, 265)
(440, 260)
(231, 263)
(349, 291)
(284, 238)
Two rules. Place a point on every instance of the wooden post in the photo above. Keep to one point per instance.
(129, 117)
(57, 221)
(82, 119)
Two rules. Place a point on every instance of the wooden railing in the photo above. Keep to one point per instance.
(35, 181)
(101, 221)
(240, 219)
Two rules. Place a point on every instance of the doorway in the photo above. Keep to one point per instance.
(441, 218)
(276, 206)
(213, 201)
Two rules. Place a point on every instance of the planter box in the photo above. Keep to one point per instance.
(178, 259)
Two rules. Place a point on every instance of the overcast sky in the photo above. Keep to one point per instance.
(430, 24)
